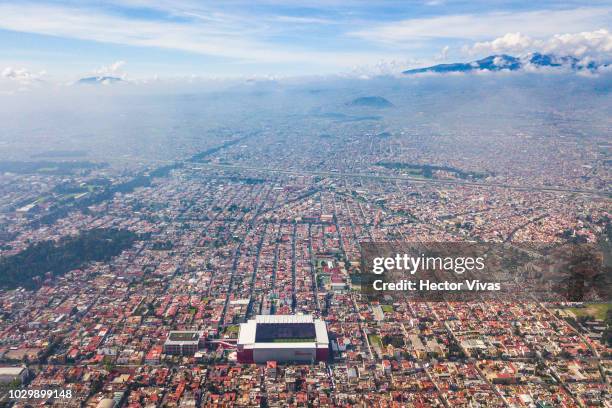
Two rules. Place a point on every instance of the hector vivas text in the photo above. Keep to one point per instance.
(412, 266)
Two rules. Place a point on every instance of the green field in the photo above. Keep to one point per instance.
(375, 340)
(596, 310)
(387, 308)
(235, 328)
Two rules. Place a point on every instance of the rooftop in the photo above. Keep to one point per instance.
(317, 333)
(183, 336)
(11, 370)
(283, 319)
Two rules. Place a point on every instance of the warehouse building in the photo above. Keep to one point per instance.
(283, 338)
(10, 374)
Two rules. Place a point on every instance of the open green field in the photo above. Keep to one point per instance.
(597, 310)
(375, 340)
(387, 308)
(235, 328)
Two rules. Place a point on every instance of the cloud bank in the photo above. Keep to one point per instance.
(215, 35)
(541, 23)
(589, 44)
(113, 69)
(22, 76)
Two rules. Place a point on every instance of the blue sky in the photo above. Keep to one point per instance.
(168, 38)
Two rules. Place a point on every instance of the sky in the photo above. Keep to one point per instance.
(63, 40)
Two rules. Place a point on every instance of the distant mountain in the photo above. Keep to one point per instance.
(510, 63)
(371, 101)
(95, 80)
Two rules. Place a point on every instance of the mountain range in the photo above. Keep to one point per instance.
(510, 63)
(95, 80)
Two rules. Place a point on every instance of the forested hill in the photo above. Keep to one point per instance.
(69, 253)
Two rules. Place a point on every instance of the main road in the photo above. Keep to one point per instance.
(551, 189)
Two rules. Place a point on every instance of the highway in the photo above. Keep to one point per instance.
(552, 189)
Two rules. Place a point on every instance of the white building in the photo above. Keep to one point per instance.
(283, 338)
(8, 374)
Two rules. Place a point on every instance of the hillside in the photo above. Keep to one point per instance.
(371, 101)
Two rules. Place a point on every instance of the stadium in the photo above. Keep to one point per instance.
(283, 338)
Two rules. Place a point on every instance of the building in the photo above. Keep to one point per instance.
(283, 338)
(106, 403)
(182, 343)
(10, 374)
(154, 355)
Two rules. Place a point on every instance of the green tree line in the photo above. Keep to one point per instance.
(28, 267)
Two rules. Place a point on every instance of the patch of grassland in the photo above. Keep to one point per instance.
(375, 340)
(387, 308)
(596, 310)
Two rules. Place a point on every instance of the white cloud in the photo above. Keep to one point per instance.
(111, 70)
(210, 34)
(581, 44)
(303, 20)
(589, 44)
(22, 75)
(386, 67)
(539, 23)
(509, 43)
(443, 56)
(500, 62)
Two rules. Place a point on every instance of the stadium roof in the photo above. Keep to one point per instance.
(321, 331)
(248, 331)
(283, 319)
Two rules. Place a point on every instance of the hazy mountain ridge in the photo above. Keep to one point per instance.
(510, 63)
(95, 80)
(371, 101)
